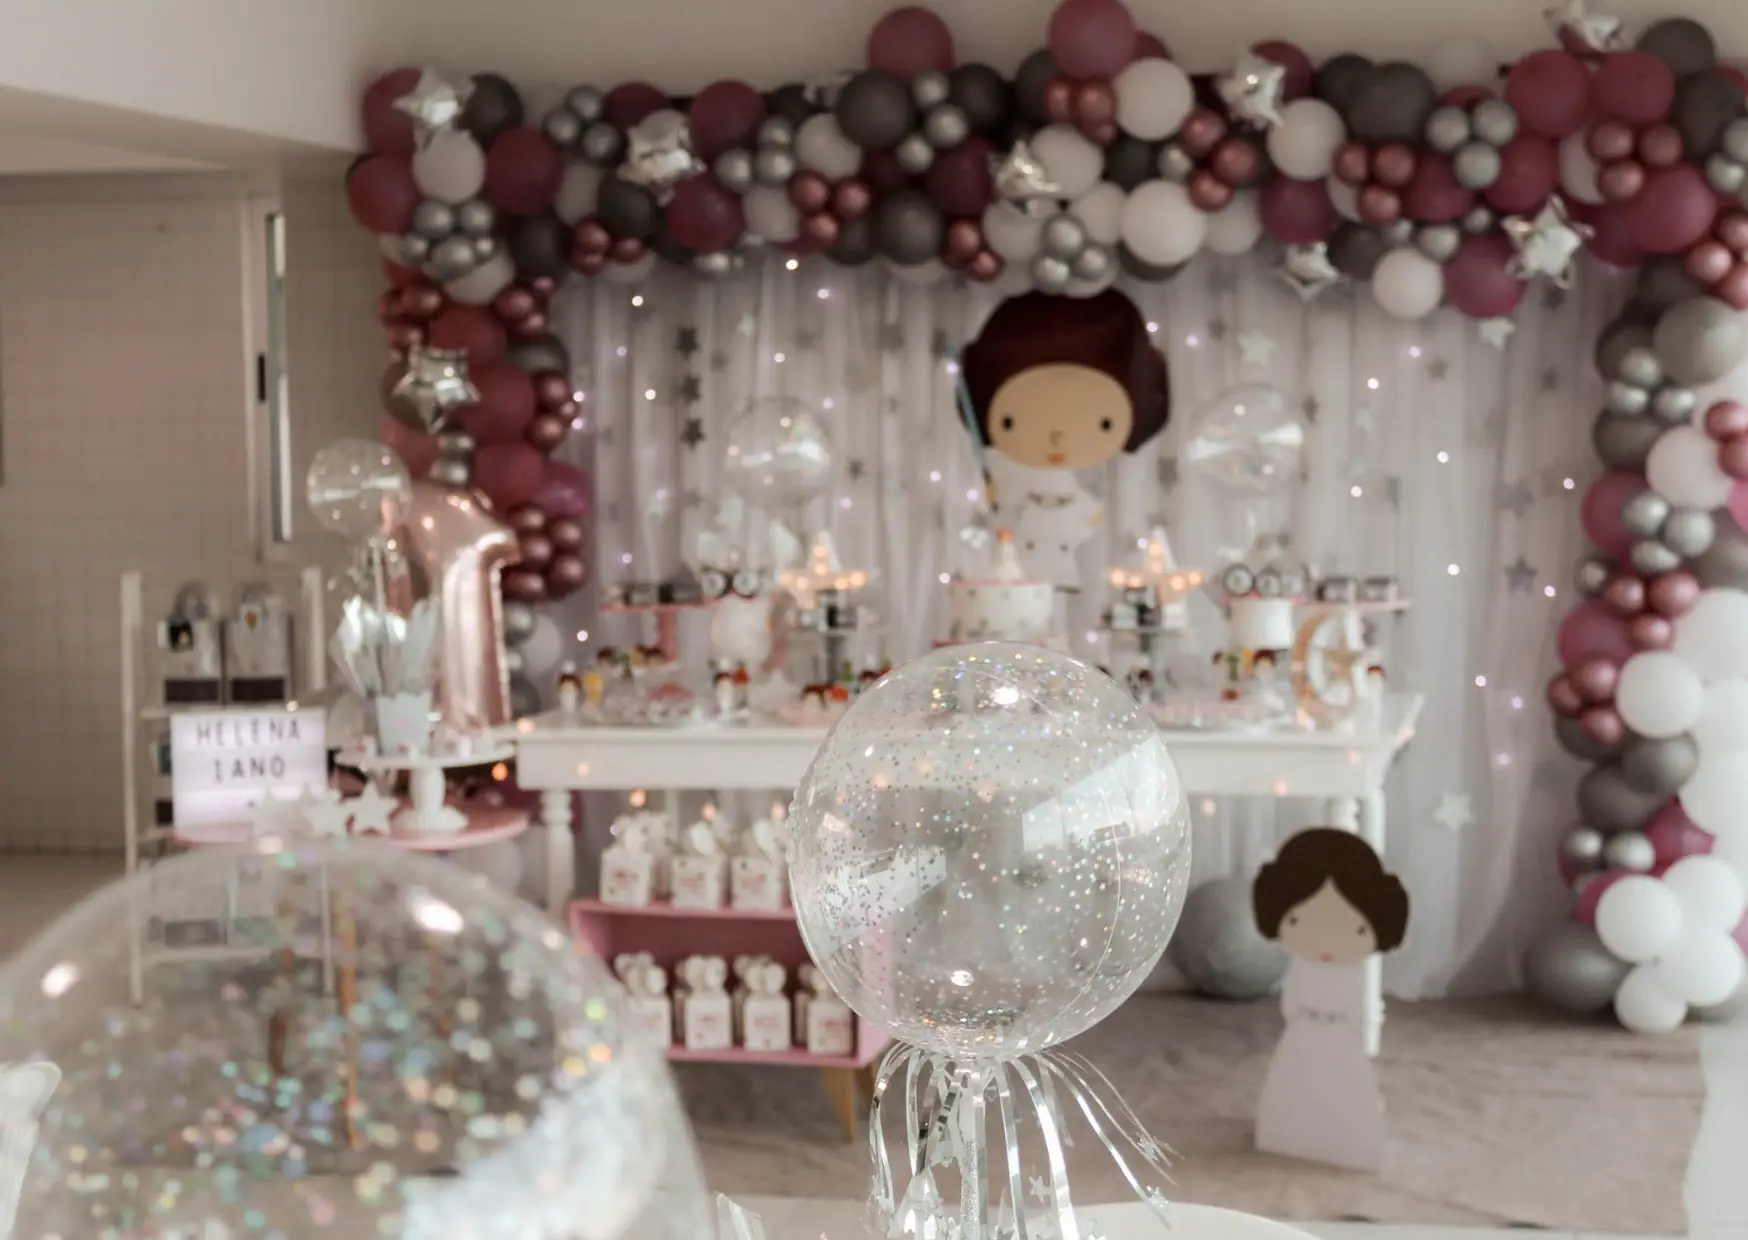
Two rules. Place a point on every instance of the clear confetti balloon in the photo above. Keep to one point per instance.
(374, 1045)
(1247, 441)
(357, 488)
(990, 850)
(778, 454)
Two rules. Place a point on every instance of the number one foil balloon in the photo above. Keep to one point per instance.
(988, 855)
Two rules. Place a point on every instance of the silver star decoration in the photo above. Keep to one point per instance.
(1312, 407)
(1308, 271)
(1497, 332)
(435, 384)
(1216, 329)
(1521, 575)
(1039, 1190)
(1256, 349)
(1252, 89)
(658, 153)
(857, 471)
(746, 325)
(1454, 811)
(1546, 244)
(1582, 31)
(1437, 369)
(824, 95)
(1021, 181)
(1517, 498)
(686, 341)
(719, 362)
(692, 434)
(691, 391)
(434, 104)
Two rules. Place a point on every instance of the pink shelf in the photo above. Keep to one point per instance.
(598, 908)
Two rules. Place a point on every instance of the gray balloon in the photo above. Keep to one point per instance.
(1705, 105)
(587, 102)
(1051, 274)
(875, 111)
(1724, 173)
(915, 155)
(1399, 233)
(1663, 281)
(564, 127)
(1627, 400)
(1148, 273)
(1725, 1012)
(484, 248)
(907, 227)
(1355, 250)
(1630, 851)
(1681, 43)
(1217, 947)
(1650, 557)
(1476, 166)
(1639, 366)
(1447, 129)
(434, 219)
(1477, 220)
(601, 144)
(1608, 801)
(1495, 122)
(1175, 163)
(519, 621)
(1674, 405)
(1093, 263)
(735, 170)
(1579, 743)
(1569, 968)
(1629, 330)
(945, 127)
(476, 217)
(1583, 847)
(777, 131)
(1700, 340)
(1658, 766)
(1644, 514)
(1723, 565)
(1591, 575)
(409, 250)
(774, 165)
(1624, 443)
(929, 89)
(1393, 104)
(542, 353)
(1735, 140)
(514, 663)
(1064, 236)
(524, 697)
(1439, 242)
(451, 258)
(1689, 531)
(1341, 78)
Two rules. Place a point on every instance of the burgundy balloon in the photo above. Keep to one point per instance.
(723, 116)
(1708, 262)
(1353, 164)
(908, 40)
(1092, 38)
(382, 193)
(1660, 146)
(387, 129)
(566, 533)
(1301, 74)
(1625, 593)
(536, 551)
(552, 388)
(563, 491)
(517, 302)
(882, 171)
(1379, 205)
(1237, 162)
(588, 264)
(630, 102)
(1732, 229)
(400, 276)
(527, 519)
(985, 267)
(1675, 209)
(1634, 87)
(403, 336)
(963, 242)
(1208, 192)
(505, 405)
(420, 301)
(543, 287)
(1621, 180)
(566, 409)
(1529, 172)
(852, 198)
(1059, 101)
(1201, 132)
(1603, 725)
(530, 326)
(627, 249)
(1150, 47)
(809, 191)
(388, 307)
(565, 574)
(1478, 278)
(509, 474)
(472, 329)
(1099, 133)
(523, 171)
(704, 215)
(820, 230)
(1733, 288)
(1595, 680)
(959, 182)
(523, 585)
(417, 450)
(1095, 103)
(1608, 140)
(1733, 458)
(1651, 632)
(1465, 97)
(546, 431)
(1433, 195)
(1393, 164)
(1726, 420)
(1551, 92)
(1296, 212)
(1563, 696)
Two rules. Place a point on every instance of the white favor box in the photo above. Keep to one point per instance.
(653, 1016)
(765, 1023)
(830, 1027)
(757, 884)
(627, 877)
(705, 1020)
(698, 881)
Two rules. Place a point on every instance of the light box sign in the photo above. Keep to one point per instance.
(222, 762)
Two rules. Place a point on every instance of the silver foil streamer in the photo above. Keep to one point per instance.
(381, 653)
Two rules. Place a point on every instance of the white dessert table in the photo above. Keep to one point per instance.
(801, 1219)
(558, 755)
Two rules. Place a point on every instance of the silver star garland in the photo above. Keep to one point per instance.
(1497, 331)
(1581, 30)
(658, 153)
(435, 384)
(1547, 244)
(1308, 271)
(1252, 90)
(434, 104)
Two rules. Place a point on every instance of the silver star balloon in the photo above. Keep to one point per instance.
(824, 94)
(1497, 331)
(1308, 271)
(1252, 90)
(1022, 182)
(1547, 244)
(658, 152)
(1581, 31)
(434, 104)
(435, 385)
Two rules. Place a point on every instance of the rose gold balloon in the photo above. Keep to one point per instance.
(626, 249)
(1603, 725)
(590, 237)
(388, 307)
(1059, 101)
(1650, 632)
(1673, 594)
(536, 324)
(964, 240)
(1353, 164)
(524, 585)
(420, 301)
(1733, 459)
(546, 431)
(985, 267)
(1379, 205)
(565, 573)
(565, 410)
(1595, 680)
(543, 287)
(403, 336)
(1621, 180)
(809, 192)
(1236, 162)
(462, 547)
(1393, 165)
(1208, 192)
(1095, 103)
(588, 264)
(1733, 288)
(1732, 229)
(1099, 133)
(514, 303)
(1727, 419)
(851, 200)
(1609, 141)
(536, 551)
(566, 533)
(1660, 146)
(1201, 132)
(1708, 262)
(1625, 593)
(527, 519)
(1563, 696)
(820, 230)
(551, 388)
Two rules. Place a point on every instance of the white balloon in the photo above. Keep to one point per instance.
(918, 275)
(1644, 1005)
(1461, 60)
(1701, 968)
(485, 281)
(1659, 694)
(1344, 198)
(1715, 794)
(1236, 227)
(500, 864)
(1161, 225)
(771, 215)
(1731, 848)
(1683, 468)
(451, 167)
(1303, 145)
(542, 648)
(1100, 212)
(821, 145)
(1578, 170)
(1723, 724)
(1075, 165)
(1711, 897)
(1154, 97)
(740, 631)
(1014, 235)
(579, 191)
(1408, 284)
(1638, 917)
(1710, 637)
(630, 273)
(1015, 280)
(1092, 288)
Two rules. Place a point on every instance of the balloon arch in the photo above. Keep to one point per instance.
(1459, 181)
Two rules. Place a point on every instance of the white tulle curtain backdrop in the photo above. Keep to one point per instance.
(1432, 454)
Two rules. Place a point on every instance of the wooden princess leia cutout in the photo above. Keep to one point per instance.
(1060, 384)
(1329, 901)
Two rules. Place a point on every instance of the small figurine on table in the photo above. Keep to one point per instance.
(722, 686)
(570, 688)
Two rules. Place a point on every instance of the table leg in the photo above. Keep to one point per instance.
(555, 817)
(1371, 828)
(843, 1088)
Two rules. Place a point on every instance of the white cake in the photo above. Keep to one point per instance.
(1005, 607)
(1261, 623)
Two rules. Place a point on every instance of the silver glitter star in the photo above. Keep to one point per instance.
(1497, 332)
(434, 104)
(658, 153)
(1546, 244)
(1256, 349)
(1308, 271)
(1581, 31)
(435, 384)
(1251, 90)
(1517, 498)
(1521, 575)
(1021, 181)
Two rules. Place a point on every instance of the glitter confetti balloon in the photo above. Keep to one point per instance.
(330, 1040)
(990, 850)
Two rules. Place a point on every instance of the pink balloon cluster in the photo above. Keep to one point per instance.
(1726, 422)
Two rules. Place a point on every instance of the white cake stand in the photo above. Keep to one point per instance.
(427, 812)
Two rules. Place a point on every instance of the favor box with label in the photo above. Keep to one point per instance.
(697, 881)
(704, 1019)
(627, 877)
(756, 883)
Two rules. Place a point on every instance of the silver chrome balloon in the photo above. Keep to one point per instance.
(1690, 531)
(1644, 514)
(1064, 236)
